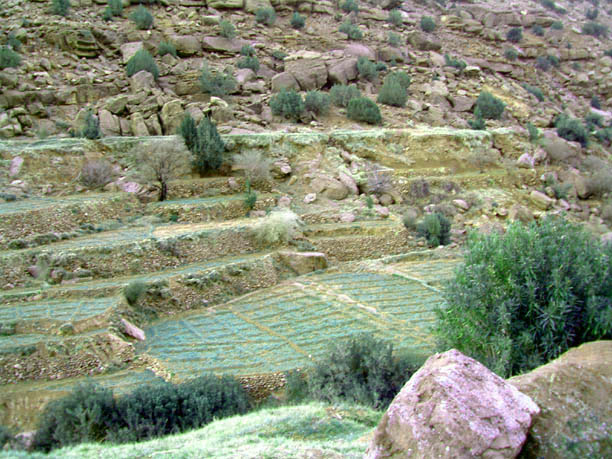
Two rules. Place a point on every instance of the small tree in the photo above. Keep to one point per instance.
(288, 104)
(428, 24)
(60, 7)
(142, 60)
(297, 21)
(514, 35)
(157, 164)
(364, 109)
(209, 147)
(265, 16)
(227, 29)
(189, 132)
(142, 18)
(490, 106)
(91, 128)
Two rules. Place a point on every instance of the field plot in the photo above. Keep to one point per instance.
(16, 344)
(287, 326)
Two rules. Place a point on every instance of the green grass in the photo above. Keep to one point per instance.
(292, 431)
(58, 310)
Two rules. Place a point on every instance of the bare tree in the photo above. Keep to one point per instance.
(158, 163)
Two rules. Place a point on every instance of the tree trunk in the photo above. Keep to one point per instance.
(163, 191)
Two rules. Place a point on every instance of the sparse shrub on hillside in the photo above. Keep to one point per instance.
(13, 42)
(367, 68)
(410, 219)
(600, 183)
(557, 25)
(317, 102)
(591, 14)
(542, 63)
(96, 173)
(515, 35)
(249, 62)
(279, 227)
(280, 55)
(341, 94)
(524, 297)
(90, 129)
(217, 84)
(604, 136)
(247, 50)
(350, 6)
(8, 58)
(166, 48)
(209, 147)
(537, 30)
(490, 106)
(435, 228)
(427, 24)
(254, 165)
(595, 29)
(157, 164)
(297, 21)
(394, 39)
(352, 31)
(549, 4)
(534, 132)
(364, 109)
(379, 181)
(593, 120)
(595, 103)
(394, 90)
(134, 291)
(571, 129)
(608, 52)
(6, 435)
(265, 16)
(537, 92)
(478, 123)
(455, 63)
(227, 29)
(288, 104)
(60, 7)
(142, 18)
(142, 60)
(395, 18)
(189, 132)
(116, 7)
(511, 54)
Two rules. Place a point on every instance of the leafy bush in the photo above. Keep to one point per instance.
(297, 21)
(247, 50)
(280, 55)
(537, 92)
(595, 103)
(133, 291)
(361, 370)
(317, 102)
(394, 39)
(217, 84)
(537, 30)
(542, 63)
(82, 416)
(364, 109)
(288, 104)
(254, 165)
(116, 7)
(456, 63)
(91, 128)
(279, 227)
(6, 435)
(352, 31)
(249, 62)
(435, 228)
(96, 173)
(604, 136)
(189, 132)
(265, 16)
(209, 147)
(367, 68)
(227, 29)
(142, 60)
(593, 120)
(478, 123)
(395, 18)
(60, 7)
(571, 129)
(8, 58)
(557, 25)
(166, 48)
(591, 14)
(142, 18)
(394, 90)
(595, 29)
(341, 94)
(427, 24)
(534, 132)
(522, 298)
(13, 42)
(490, 106)
(515, 35)
(349, 6)
(511, 54)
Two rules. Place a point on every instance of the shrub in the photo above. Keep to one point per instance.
(379, 181)
(600, 184)
(604, 136)
(427, 24)
(591, 14)
(133, 291)
(456, 63)
(593, 120)
(595, 103)
(6, 435)
(166, 48)
(142, 60)
(247, 50)
(511, 54)
(280, 55)
(279, 227)
(209, 147)
(317, 102)
(554, 60)
(595, 29)
(341, 94)
(8, 58)
(478, 123)
(189, 132)
(395, 18)
(557, 25)
(394, 90)
(543, 64)
(115, 7)
(514, 35)
(297, 21)
(367, 68)
(217, 84)
(96, 173)
(490, 106)
(288, 104)
(82, 416)
(250, 199)
(364, 109)
(352, 31)
(254, 165)
(249, 62)
(350, 6)
(142, 18)
(522, 298)
(265, 16)
(435, 228)
(534, 132)
(409, 219)
(380, 66)
(537, 92)
(394, 39)
(608, 52)
(60, 7)
(571, 129)
(227, 29)
(91, 128)
(157, 164)
(13, 42)
(537, 30)
(549, 4)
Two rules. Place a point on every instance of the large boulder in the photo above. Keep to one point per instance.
(343, 71)
(359, 50)
(129, 49)
(171, 116)
(284, 80)
(574, 394)
(186, 45)
(309, 73)
(454, 407)
(223, 45)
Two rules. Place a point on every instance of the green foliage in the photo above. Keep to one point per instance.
(352, 31)
(189, 132)
(279, 227)
(60, 7)
(6, 435)
(82, 416)
(534, 133)
(227, 29)
(350, 6)
(166, 48)
(591, 14)
(296, 386)
(571, 129)
(288, 104)
(595, 103)
(595, 29)
(250, 199)
(427, 24)
(217, 84)
(367, 68)
(341, 94)
(116, 7)
(364, 109)
(317, 102)
(511, 54)
(142, 18)
(91, 128)
(142, 60)
(490, 106)
(8, 58)
(456, 63)
(522, 298)
(537, 92)
(249, 62)
(297, 21)
(557, 25)
(478, 123)
(13, 42)
(394, 39)
(265, 16)
(604, 136)
(362, 370)
(133, 291)
(549, 4)
(209, 147)
(608, 52)
(537, 30)
(380, 66)
(435, 228)
(280, 55)
(247, 50)
(395, 18)
(515, 35)
(593, 120)
(394, 90)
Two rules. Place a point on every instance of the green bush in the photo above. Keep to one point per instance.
(288, 104)
(453, 62)
(511, 54)
(537, 30)
(593, 120)
(60, 7)
(265, 16)
(595, 103)
(142, 18)
(209, 147)
(247, 50)
(134, 291)
(317, 102)
(591, 14)
(84, 415)
(6, 435)
(514, 35)
(549, 4)
(341, 94)
(189, 132)
(522, 298)
(364, 109)
(595, 29)
(608, 52)
(367, 68)
(543, 64)
(352, 31)
(394, 90)
(604, 136)
(349, 6)
(280, 55)
(534, 133)
(537, 92)
(394, 39)
(13, 42)
(249, 62)
(427, 24)
(91, 128)
(115, 7)
(435, 228)
(166, 48)
(217, 84)
(490, 106)
(8, 58)
(557, 25)
(478, 123)
(297, 21)
(395, 18)
(572, 129)
(227, 29)
(142, 60)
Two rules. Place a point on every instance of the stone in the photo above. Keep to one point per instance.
(310, 198)
(606, 238)
(540, 200)
(578, 181)
(381, 211)
(138, 126)
(171, 116)
(251, 6)
(222, 44)
(226, 4)
(574, 394)
(422, 42)
(461, 204)
(349, 182)
(310, 73)
(284, 201)
(129, 49)
(117, 104)
(284, 80)
(359, 50)
(15, 166)
(128, 187)
(343, 71)
(132, 330)
(462, 103)
(329, 188)
(347, 217)
(141, 80)
(186, 45)
(109, 123)
(454, 407)
(245, 76)
(303, 262)
(391, 53)
(520, 213)
(525, 161)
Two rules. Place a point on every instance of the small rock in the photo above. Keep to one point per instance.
(461, 204)
(381, 211)
(15, 166)
(132, 330)
(310, 198)
(347, 217)
(525, 161)
(540, 200)
(284, 201)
